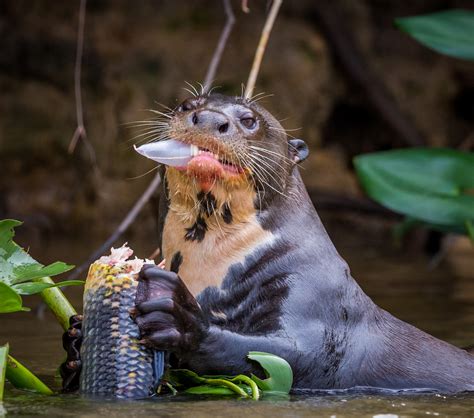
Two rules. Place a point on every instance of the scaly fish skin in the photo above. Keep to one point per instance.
(113, 361)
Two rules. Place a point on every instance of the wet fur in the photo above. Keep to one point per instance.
(271, 280)
(265, 276)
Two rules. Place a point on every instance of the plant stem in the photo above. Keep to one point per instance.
(58, 303)
(228, 384)
(262, 44)
(20, 377)
(3, 367)
(247, 380)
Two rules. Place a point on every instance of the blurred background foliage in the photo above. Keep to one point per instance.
(339, 71)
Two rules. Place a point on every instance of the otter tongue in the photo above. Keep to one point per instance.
(170, 152)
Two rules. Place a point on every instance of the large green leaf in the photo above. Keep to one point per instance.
(449, 32)
(16, 265)
(432, 185)
(278, 371)
(10, 301)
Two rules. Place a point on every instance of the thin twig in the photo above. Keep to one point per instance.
(262, 44)
(80, 132)
(217, 56)
(126, 222)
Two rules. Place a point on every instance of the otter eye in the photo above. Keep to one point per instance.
(249, 123)
(186, 106)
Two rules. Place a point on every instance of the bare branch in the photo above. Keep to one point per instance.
(262, 44)
(217, 56)
(80, 132)
(126, 222)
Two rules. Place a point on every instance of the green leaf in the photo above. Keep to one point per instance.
(10, 301)
(278, 371)
(16, 265)
(431, 185)
(37, 287)
(3, 368)
(449, 32)
(29, 272)
(20, 377)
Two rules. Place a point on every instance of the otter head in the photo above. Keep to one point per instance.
(238, 145)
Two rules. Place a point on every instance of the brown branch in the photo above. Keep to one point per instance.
(262, 44)
(217, 56)
(349, 55)
(126, 222)
(80, 132)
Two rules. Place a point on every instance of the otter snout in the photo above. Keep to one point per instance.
(215, 123)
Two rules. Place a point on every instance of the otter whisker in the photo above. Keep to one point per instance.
(149, 136)
(190, 92)
(272, 152)
(165, 107)
(203, 91)
(212, 89)
(284, 159)
(267, 184)
(253, 101)
(152, 123)
(194, 92)
(262, 176)
(157, 112)
(144, 174)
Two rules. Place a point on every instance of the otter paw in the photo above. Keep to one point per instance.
(167, 314)
(70, 370)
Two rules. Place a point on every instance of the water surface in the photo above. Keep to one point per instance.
(439, 301)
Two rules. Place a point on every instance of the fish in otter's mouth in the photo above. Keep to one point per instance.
(199, 162)
(222, 139)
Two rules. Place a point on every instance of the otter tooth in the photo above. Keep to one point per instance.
(194, 150)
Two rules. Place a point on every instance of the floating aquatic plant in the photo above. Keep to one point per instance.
(279, 378)
(21, 275)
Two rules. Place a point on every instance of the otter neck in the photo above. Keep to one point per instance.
(205, 233)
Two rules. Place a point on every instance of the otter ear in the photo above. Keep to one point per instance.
(298, 150)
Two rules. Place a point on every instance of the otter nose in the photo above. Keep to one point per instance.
(214, 122)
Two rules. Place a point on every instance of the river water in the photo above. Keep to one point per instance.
(439, 301)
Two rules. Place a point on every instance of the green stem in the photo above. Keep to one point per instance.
(247, 380)
(20, 377)
(3, 367)
(228, 384)
(58, 303)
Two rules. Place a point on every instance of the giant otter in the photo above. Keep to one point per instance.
(251, 267)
